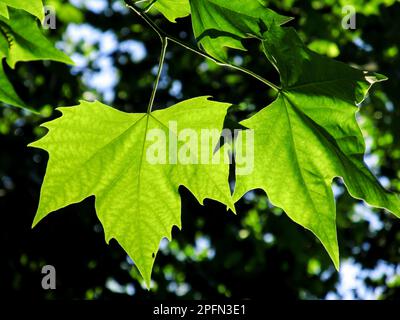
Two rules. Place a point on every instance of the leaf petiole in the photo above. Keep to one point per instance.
(164, 41)
(164, 35)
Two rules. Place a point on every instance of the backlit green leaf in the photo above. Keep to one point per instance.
(218, 24)
(309, 136)
(96, 150)
(22, 40)
(173, 9)
(26, 41)
(34, 7)
(7, 92)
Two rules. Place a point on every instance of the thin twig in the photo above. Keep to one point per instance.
(223, 64)
(164, 41)
(144, 16)
(164, 35)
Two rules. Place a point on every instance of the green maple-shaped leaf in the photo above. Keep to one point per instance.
(22, 40)
(34, 7)
(97, 150)
(26, 41)
(309, 136)
(172, 9)
(219, 24)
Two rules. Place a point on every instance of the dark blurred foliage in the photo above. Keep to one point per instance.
(259, 253)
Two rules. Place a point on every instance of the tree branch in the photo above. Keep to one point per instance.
(164, 35)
